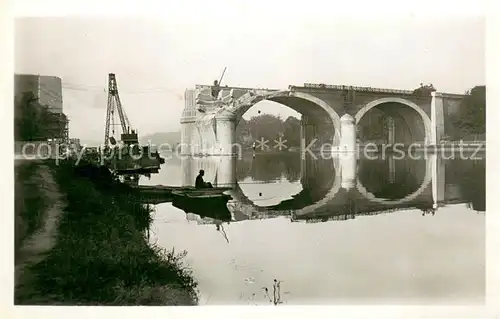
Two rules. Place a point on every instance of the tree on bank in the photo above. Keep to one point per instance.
(471, 118)
(265, 126)
(27, 126)
(291, 130)
(268, 127)
(35, 122)
(472, 115)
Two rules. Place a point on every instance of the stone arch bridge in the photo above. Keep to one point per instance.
(330, 115)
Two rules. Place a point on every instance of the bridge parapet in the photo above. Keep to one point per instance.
(451, 96)
(352, 88)
(371, 90)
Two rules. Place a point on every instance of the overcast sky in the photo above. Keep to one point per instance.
(155, 60)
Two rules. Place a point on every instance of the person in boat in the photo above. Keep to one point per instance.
(200, 183)
(215, 89)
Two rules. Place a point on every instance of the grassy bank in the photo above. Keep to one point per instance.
(101, 256)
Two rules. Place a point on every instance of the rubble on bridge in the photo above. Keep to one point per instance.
(230, 98)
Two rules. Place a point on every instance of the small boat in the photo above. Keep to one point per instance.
(162, 193)
(208, 202)
(205, 193)
(180, 190)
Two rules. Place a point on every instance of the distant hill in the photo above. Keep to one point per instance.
(170, 138)
(90, 143)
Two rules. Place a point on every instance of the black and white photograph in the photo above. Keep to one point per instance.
(241, 153)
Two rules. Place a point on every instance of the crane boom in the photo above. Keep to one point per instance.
(114, 96)
(108, 118)
(113, 90)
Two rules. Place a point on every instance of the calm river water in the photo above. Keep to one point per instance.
(369, 231)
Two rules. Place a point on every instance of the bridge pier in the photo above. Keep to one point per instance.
(225, 135)
(188, 124)
(226, 172)
(187, 129)
(348, 170)
(392, 170)
(347, 133)
(437, 118)
(438, 179)
(391, 126)
(187, 171)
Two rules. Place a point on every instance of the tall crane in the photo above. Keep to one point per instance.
(114, 102)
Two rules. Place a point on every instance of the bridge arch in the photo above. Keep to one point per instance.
(304, 103)
(427, 123)
(370, 196)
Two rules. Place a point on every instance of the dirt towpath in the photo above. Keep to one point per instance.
(36, 246)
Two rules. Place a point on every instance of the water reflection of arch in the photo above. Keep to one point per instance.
(331, 193)
(270, 167)
(320, 179)
(426, 182)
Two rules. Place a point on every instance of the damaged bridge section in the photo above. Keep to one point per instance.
(209, 123)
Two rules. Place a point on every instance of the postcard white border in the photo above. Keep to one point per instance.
(210, 9)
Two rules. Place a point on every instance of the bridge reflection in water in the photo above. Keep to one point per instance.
(321, 189)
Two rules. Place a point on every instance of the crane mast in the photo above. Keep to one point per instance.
(114, 100)
(125, 160)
